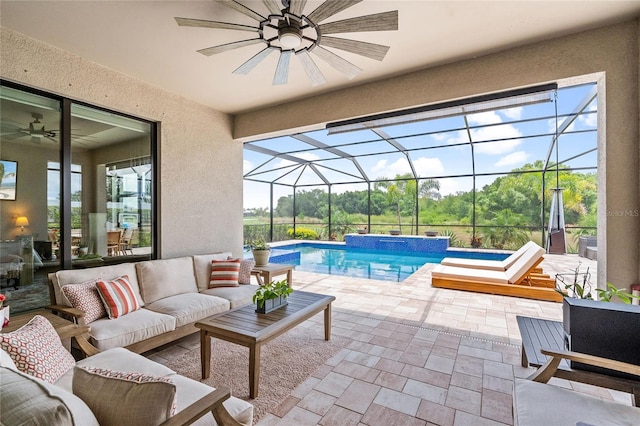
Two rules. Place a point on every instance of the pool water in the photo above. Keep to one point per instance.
(363, 263)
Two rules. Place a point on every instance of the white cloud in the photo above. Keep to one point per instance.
(426, 166)
(247, 166)
(515, 158)
(488, 117)
(513, 113)
(379, 166)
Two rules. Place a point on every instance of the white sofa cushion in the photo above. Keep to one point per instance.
(166, 277)
(202, 267)
(131, 328)
(28, 400)
(189, 307)
(107, 273)
(237, 296)
(187, 390)
(543, 404)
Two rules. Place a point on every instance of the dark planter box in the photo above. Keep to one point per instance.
(271, 305)
(609, 330)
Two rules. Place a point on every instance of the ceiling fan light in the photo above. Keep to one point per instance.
(290, 38)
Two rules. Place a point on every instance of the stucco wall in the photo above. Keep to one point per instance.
(610, 53)
(200, 164)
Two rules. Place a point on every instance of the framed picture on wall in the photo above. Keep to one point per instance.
(8, 180)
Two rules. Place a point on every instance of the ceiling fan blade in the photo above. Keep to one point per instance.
(337, 62)
(330, 8)
(12, 136)
(255, 60)
(243, 9)
(282, 70)
(273, 6)
(385, 21)
(370, 50)
(310, 67)
(229, 46)
(202, 23)
(297, 6)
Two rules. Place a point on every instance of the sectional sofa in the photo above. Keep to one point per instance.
(172, 294)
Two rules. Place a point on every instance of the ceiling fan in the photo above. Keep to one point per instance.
(289, 31)
(36, 130)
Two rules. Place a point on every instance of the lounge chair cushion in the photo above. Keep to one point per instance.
(497, 265)
(544, 404)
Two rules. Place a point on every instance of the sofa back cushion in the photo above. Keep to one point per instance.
(134, 399)
(202, 266)
(106, 273)
(27, 400)
(166, 277)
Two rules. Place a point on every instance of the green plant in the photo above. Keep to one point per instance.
(611, 291)
(302, 234)
(271, 290)
(577, 284)
(453, 238)
(259, 244)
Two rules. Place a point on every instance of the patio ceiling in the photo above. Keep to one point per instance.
(141, 39)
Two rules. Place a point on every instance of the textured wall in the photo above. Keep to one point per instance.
(609, 54)
(200, 164)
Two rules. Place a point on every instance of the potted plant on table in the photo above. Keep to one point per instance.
(271, 296)
(260, 250)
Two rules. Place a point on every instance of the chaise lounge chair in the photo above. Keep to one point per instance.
(493, 265)
(521, 279)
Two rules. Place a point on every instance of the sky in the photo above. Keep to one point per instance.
(442, 149)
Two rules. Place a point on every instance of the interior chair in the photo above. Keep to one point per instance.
(126, 242)
(522, 279)
(537, 403)
(113, 242)
(493, 265)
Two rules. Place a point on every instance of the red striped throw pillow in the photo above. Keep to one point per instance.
(224, 273)
(118, 296)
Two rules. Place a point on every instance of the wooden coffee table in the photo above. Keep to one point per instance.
(243, 326)
(264, 274)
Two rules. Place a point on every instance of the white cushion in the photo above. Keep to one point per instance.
(189, 391)
(107, 273)
(237, 296)
(166, 277)
(202, 267)
(131, 328)
(28, 400)
(85, 297)
(538, 404)
(189, 307)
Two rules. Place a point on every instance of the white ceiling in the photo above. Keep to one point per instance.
(141, 39)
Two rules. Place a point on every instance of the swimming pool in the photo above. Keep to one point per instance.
(334, 259)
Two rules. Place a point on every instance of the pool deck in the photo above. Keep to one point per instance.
(415, 354)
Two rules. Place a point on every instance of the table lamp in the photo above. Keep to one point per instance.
(22, 221)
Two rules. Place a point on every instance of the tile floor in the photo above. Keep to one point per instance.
(418, 355)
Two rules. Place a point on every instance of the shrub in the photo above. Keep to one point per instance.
(302, 234)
